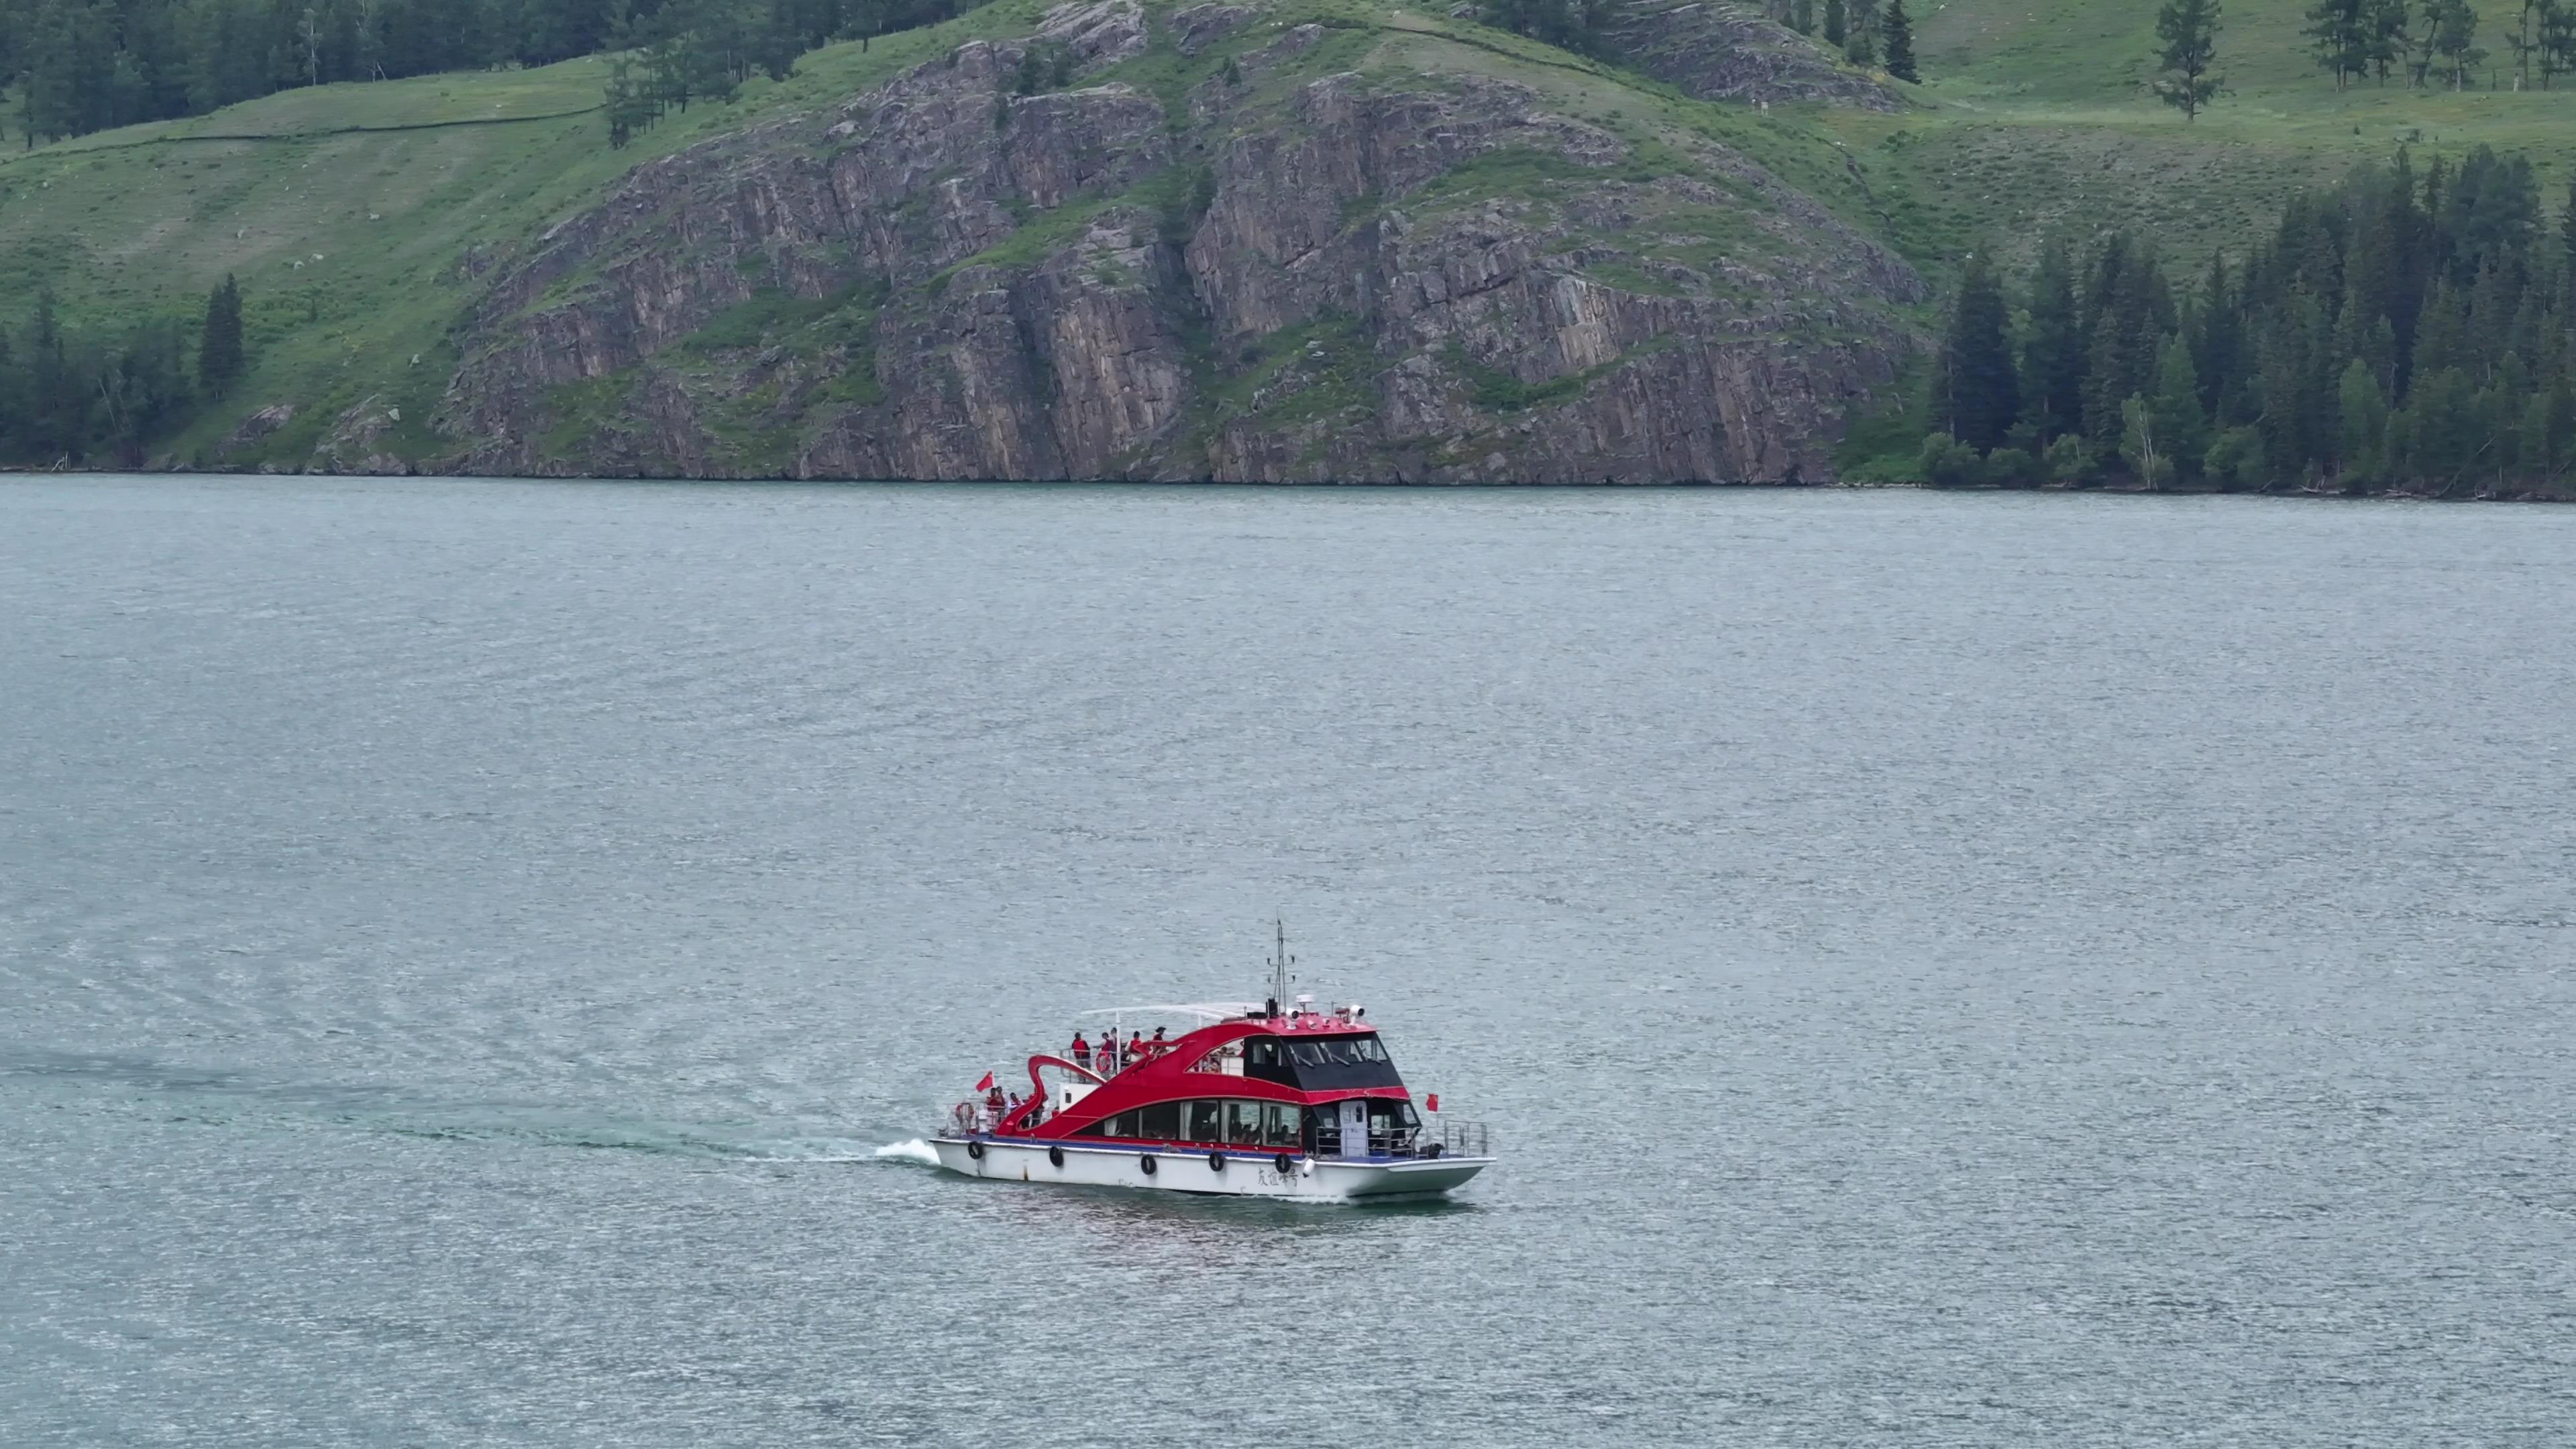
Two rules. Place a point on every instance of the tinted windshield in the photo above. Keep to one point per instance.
(1330, 1063)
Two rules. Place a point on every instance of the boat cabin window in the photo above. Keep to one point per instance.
(1330, 1063)
(1279, 1121)
(1337, 1051)
(1385, 1114)
(1243, 1123)
(1231, 1122)
(1206, 1121)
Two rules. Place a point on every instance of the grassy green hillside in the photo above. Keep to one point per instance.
(2037, 114)
(359, 217)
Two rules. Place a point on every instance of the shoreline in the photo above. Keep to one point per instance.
(2119, 489)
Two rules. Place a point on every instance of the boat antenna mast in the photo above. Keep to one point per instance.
(1279, 964)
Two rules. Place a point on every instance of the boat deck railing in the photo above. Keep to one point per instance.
(1444, 1137)
(1457, 1136)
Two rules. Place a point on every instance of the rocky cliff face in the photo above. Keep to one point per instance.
(1233, 246)
(1720, 51)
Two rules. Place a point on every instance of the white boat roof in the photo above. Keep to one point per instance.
(1203, 1010)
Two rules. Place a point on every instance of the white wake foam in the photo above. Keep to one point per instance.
(916, 1150)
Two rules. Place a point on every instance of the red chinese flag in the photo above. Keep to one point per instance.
(1431, 1103)
(985, 1085)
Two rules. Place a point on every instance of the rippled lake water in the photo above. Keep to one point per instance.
(1941, 970)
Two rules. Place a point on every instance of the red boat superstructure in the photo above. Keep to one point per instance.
(1260, 1099)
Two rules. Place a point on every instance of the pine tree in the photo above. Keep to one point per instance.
(2557, 39)
(1861, 48)
(2389, 24)
(1896, 30)
(1802, 17)
(2567, 258)
(2218, 344)
(1837, 27)
(2524, 42)
(2454, 33)
(2052, 373)
(1975, 392)
(2340, 34)
(2362, 410)
(2181, 428)
(2189, 29)
(220, 355)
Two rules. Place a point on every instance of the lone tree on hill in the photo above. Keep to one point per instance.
(1896, 34)
(220, 358)
(2189, 29)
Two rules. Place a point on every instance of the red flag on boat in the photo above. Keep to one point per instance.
(985, 1085)
(1431, 1103)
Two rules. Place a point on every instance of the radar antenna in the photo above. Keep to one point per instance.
(1279, 964)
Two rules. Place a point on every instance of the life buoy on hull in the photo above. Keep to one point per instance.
(1055, 1155)
(1146, 1162)
(975, 1150)
(1283, 1162)
(1216, 1162)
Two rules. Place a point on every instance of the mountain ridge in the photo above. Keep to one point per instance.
(1095, 282)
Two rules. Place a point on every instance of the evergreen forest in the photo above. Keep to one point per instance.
(2396, 332)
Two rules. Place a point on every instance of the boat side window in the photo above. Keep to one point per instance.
(1206, 1121)
(1163, 1119)
(1279, 1124)
(1243, 1123)
(1385, 1113)
(1265, 1058)
(1366, 1049)
(1307, 1053)
(1322, 1127)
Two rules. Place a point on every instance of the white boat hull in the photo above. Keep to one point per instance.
(1245, 1174)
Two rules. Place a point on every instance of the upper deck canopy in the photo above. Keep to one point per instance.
(1203, 1010)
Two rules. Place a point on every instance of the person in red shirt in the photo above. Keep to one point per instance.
(1081, 1051)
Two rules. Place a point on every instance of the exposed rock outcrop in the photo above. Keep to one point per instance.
(257, 428)
(1721, 51)
(1279, 269)
(356, 443)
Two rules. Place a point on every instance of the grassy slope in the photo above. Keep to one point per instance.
(2037, 116)
(349, 236)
